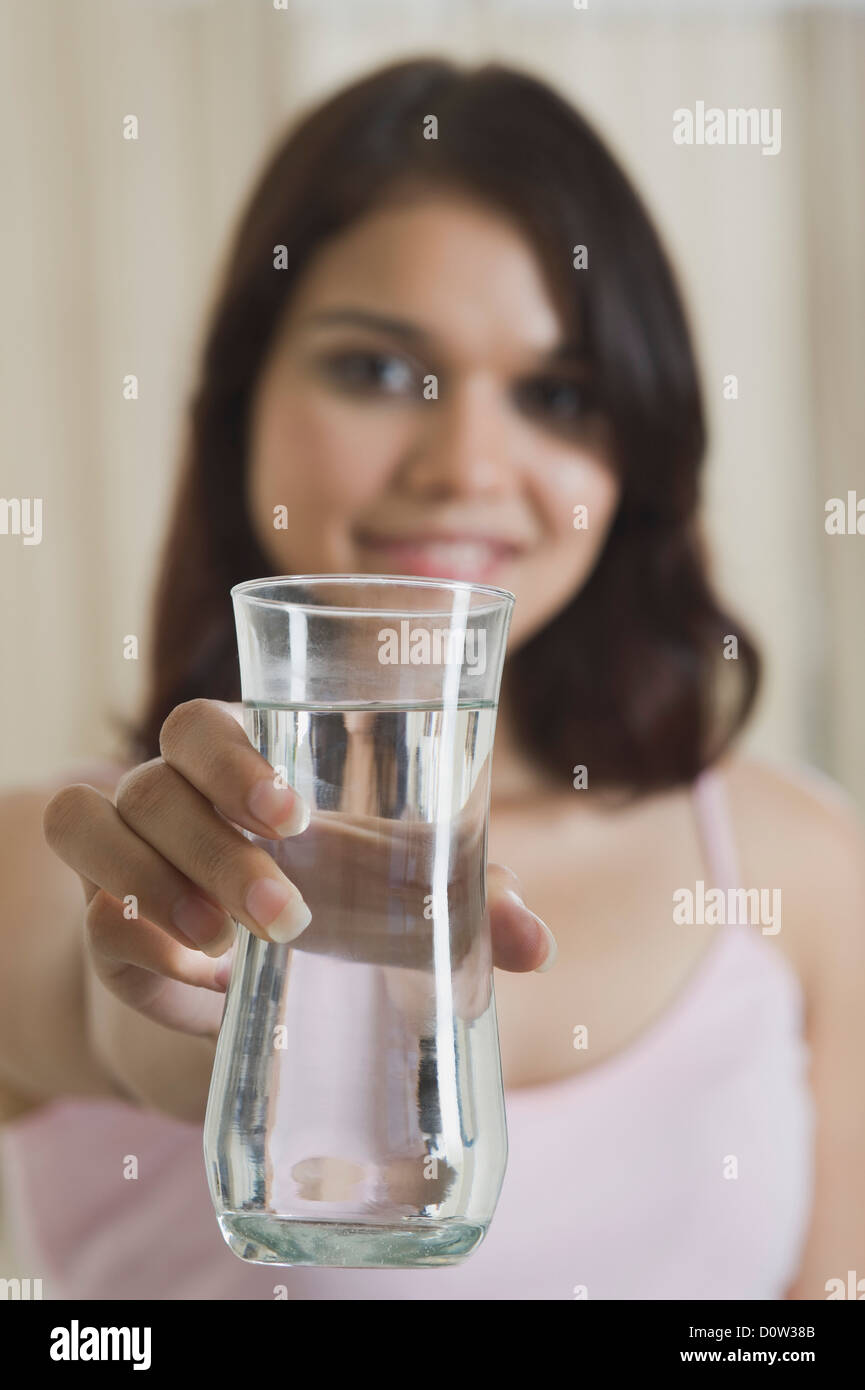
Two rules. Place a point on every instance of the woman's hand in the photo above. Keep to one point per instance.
(165, 868)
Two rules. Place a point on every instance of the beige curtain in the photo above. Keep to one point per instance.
(110, 248)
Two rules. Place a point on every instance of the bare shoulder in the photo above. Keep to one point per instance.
(799, 831)
(102, 773)
(28, 867)
(791, 804)
(22, 807)
(34, 880)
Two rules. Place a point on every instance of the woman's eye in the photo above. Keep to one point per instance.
(374, 372)
(558, 399)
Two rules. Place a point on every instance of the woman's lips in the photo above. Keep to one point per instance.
(472, 558)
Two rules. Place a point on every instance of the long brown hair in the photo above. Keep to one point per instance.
(630, 677)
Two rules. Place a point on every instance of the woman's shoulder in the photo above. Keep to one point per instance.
(28, 867)
(32, 876)
(788, 801)
(25, 799)
(102, 773)
(797, 830)
(23, 848)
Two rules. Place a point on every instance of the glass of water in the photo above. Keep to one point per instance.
(356, 1112)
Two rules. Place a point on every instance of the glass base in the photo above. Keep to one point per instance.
(276, 1240)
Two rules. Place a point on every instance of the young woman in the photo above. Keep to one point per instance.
(709, 1141)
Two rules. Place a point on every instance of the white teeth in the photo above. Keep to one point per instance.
(457, 552)
(464, 556)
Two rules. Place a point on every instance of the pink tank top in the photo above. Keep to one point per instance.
(617, 1184)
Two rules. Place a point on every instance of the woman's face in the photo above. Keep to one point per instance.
(358, 467)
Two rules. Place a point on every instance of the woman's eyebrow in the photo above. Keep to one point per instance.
(571, 353)
(365, 318)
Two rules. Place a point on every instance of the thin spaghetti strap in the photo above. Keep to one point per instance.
(716, 828)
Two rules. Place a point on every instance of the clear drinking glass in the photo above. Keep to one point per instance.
(356, 1113)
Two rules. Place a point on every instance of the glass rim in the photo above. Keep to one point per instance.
(247, 587)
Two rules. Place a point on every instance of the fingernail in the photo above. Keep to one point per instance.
(278, 909)
(204, 926)
(552, 945)
(552, 948)
(222, 973)
(279, 807)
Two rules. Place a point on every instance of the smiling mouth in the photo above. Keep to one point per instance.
(440, 557)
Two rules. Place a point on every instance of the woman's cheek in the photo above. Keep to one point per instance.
(336, 455)
(578, 497)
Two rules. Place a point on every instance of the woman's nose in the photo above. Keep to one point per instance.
(462, 445)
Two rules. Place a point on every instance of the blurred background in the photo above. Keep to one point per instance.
(110, 248)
